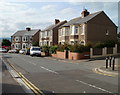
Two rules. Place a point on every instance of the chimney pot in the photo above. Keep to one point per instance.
(57, 21)
(28, 29)
(85, 13)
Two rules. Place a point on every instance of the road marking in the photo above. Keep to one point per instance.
(95, 70)
(31, 85)
(49, 70)
(93, 86)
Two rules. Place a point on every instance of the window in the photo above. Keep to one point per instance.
(82, 43)
(107, 32)
(76, 29)
(30, 39)
(47, 33)
(66, 31)
(83, 29)
(23, 46)
(17, 39)
(76, 42)
(72, 42)
(62, 31)
(72, 32)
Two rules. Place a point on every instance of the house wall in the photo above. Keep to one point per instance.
(97, 27)
(36, 37)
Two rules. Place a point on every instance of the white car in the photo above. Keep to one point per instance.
(35, 51)
(2, 50)
(22, 51)
(12, 51)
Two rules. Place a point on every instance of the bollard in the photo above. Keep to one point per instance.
(106, 62)
(113, 66)
(110, 61)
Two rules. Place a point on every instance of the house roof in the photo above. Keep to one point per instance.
(54, 25)
(26, 33)
(80, 20)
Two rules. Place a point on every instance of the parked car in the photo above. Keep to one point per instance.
(35, 51)
(22, 51)
(12, 51)
(2, 50)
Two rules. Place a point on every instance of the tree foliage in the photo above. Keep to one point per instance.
(6, 42)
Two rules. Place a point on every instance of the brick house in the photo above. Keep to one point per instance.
(49, 36)
(95, 27)
(24, 38)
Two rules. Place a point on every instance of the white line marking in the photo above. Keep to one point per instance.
(93, 86)
(49, 70)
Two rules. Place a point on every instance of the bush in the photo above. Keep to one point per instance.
(61, 47)
(45, 49)
(99, 45)
(53, 49)
(79, 48)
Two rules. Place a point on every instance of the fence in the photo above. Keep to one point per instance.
(101, 52)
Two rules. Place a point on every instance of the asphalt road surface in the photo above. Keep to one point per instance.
(57, 76)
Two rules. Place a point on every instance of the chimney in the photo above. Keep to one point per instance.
(28, 29)
(85, 13)
(57, 21)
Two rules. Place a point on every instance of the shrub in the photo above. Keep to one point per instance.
(99, 45)
(62, 47)
(45, 49)
(79, 48)
(53, 49)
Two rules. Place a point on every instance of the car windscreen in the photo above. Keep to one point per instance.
(36, 49)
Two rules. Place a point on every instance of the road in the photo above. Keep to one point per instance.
(63, 77)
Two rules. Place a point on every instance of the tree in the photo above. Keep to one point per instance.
(6, 42)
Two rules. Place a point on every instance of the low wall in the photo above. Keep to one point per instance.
(61, 55)
(54, 55)
(72, 55)
(78, 56)
(106, 51)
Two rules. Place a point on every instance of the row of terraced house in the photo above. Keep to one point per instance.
(94, 27)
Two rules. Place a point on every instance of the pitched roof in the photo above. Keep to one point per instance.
(54, 25)
(25, 32)
(80, 20)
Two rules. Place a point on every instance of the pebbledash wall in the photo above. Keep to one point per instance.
(102, 52)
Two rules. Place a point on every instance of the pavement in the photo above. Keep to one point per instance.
(107, 71)
(9, 85)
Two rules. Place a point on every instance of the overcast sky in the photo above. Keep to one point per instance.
(38, 15)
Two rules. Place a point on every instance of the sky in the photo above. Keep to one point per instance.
(16, 15)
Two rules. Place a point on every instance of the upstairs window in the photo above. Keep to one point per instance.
(76, 29)
(30, 39)
(66, 31)
(72, 32)
(83, 29)
(107, 32)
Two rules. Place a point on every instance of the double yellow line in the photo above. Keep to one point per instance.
(28, 83)
(98, 72)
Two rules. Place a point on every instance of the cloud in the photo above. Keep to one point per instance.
(17, 16)
(48, 7)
